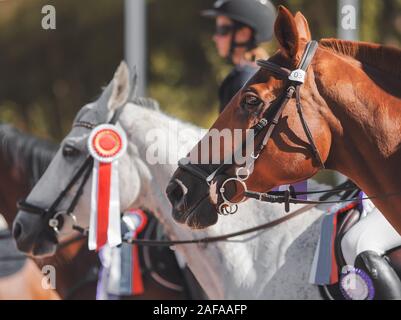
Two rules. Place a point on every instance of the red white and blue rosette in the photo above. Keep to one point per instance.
(135, 221)
(106, 144)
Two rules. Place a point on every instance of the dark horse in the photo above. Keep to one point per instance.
(23, 160)
(351, 102)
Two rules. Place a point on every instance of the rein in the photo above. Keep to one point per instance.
(310, 204)
(206, 240)
(226, 237)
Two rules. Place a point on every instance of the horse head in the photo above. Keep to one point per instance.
(284, 152)
(31, 228)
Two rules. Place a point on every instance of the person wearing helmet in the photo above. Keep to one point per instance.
(241, 25)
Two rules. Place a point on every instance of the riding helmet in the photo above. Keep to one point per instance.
(257, 14)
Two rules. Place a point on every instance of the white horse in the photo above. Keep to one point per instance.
(274, 264)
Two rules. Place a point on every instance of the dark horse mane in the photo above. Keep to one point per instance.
(29, 155)
(385, 58)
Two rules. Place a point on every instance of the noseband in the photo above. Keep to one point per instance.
(52, 216)
(269, 120)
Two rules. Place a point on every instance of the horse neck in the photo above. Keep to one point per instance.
(138, 122)
(10, 193)
(364, 114)
(13, 185)
(222, 268)
(23, 160)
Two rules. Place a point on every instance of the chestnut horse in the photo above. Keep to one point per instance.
(351, 101)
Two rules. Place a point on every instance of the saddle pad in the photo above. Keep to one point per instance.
(11, 260)
(324, 267)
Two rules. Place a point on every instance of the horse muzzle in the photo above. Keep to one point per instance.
(30, 236)
(192, 209)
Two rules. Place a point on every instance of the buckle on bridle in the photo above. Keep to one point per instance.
(246, 174)
(255, 157)
(226, 210)
(54, 222)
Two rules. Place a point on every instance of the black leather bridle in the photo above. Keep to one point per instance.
(269, 120)
(51, 216)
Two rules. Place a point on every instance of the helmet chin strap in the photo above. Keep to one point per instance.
(249, 45)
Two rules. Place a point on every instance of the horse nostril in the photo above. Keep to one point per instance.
(17, 230)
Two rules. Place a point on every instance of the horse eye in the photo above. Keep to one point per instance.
(251, 102)
(70, 151)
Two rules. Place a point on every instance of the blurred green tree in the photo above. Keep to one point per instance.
(47, 75)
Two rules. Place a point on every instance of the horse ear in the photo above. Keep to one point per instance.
(303, 27)
(133, 83)
(141, 101)
(286, 32)
(121, 88)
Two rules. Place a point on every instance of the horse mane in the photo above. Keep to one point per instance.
(384, 58)
(28, 154)
(146, 102)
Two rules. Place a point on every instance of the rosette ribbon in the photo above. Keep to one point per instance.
(106, 144)
(135, 221)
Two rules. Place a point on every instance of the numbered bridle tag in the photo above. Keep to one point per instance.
(298, 76)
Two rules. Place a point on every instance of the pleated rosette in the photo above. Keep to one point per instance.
(106, 144)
